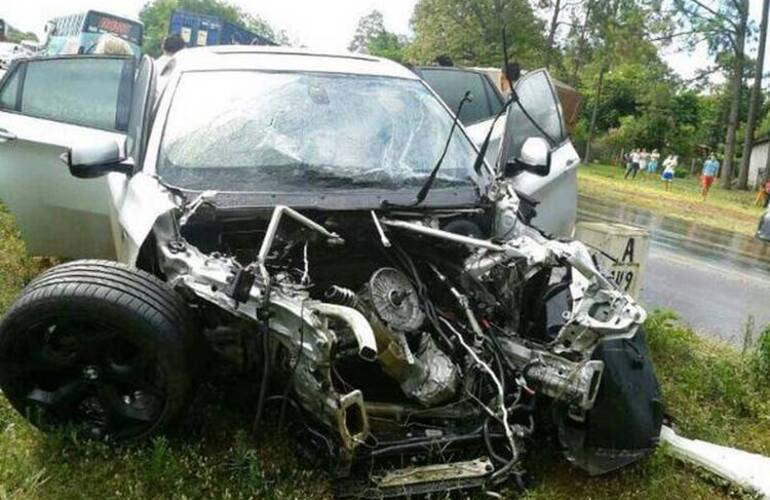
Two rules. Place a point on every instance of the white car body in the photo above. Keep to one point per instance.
(556, 193)
(60, 215)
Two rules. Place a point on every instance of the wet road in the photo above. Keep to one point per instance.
(714, 279)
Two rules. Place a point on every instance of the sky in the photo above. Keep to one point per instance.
(317, 24)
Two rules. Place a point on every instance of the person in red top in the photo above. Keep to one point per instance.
(710, 171)
(763, 195)
(767, 193)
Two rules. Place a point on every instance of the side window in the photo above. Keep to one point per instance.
(90, 92)
(495, 102)
(451, 86)
(10, 90)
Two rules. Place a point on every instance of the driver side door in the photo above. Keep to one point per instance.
(46, 106)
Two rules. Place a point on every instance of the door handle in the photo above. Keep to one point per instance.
(6, 136)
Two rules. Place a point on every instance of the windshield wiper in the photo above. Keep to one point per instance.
(485, 145)
(514, 98)
(432, 177)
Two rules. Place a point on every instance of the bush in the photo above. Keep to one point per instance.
(761, 356)
(711, 391)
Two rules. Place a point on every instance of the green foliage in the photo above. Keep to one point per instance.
(156, 15)
(642, 102)
(469, 31)
(16, 267)
(763, 128)
(16, 36)
(761, 356)
(711, 392)
(642, 106)
(371, 37)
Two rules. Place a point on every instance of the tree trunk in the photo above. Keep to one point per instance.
(552, 33)
(577, 60)
(735, 105)
(756, 93)
(592, 125)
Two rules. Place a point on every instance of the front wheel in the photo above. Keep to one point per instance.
(100, 346)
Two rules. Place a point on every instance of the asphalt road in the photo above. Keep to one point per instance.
(714, 279)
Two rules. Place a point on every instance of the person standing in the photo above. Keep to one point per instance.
(644, 159)
(171, 45)
(652, 166)
(633, 166)
(709, 173)
(767, 194)
(669, 169)
(763, 195)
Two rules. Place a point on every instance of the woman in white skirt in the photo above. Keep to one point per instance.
(669, 169)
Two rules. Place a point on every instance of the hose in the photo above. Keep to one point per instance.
(488, 443)
(264, 312)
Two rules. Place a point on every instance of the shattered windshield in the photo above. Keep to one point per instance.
(291, 132)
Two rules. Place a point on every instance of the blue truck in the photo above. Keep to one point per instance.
(201, 29)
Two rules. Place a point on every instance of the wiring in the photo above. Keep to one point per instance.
(298, 357)
(495, 380)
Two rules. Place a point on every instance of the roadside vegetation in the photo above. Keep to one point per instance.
(728, 210)
(712, 392)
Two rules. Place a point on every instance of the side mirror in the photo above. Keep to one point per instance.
(95, 159)
(535, 158)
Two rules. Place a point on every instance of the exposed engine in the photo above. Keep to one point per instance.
(407, 333)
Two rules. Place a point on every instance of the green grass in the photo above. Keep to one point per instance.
(731, 210)
(712, 392)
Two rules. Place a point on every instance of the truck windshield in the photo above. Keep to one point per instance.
(297, 132)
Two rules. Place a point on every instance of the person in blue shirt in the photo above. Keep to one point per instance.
(710, 170)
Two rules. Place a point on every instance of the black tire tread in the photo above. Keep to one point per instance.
(139, 281)
(111, 286)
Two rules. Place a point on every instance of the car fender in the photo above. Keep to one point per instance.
(137, 203)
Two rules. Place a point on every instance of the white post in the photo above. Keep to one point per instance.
(626, 248)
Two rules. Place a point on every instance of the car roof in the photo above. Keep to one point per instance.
(449, 68)
(251, 57)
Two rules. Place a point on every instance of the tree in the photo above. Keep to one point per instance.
(556, 10)
(724, 27)
(578, 37)
(756, 95)
(156, 15)
(371, 37)
(16, 36)
(615, 32)
(469, 31)
(369, 27)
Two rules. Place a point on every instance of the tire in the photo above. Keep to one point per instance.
(99, 346)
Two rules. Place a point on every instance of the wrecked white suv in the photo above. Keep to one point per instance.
(322, 224)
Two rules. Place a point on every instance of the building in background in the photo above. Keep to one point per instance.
(758, 161)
